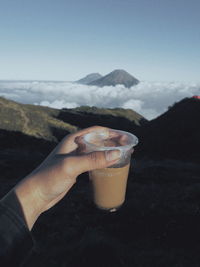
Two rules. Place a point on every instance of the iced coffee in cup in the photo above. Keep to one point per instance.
(109, 184)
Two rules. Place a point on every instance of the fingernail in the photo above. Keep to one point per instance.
(112, 155)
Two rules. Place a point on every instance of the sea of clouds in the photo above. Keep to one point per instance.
(150, 99)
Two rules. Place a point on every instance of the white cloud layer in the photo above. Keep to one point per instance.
(150, 99)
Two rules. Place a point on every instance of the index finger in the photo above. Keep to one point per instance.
(68, 144)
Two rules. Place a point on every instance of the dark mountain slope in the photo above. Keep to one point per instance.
(174, 134)
(124, 119)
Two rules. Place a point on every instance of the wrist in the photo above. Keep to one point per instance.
(29, 202)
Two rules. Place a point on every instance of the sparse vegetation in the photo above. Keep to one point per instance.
(32, 120)
(43, 122)
(116, 112)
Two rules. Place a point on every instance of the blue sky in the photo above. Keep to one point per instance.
(67, 39)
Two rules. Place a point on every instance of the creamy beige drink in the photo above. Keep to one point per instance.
(109, 184)
(109, 187)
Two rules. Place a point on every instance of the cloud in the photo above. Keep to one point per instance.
(150, 99)
(58, 104)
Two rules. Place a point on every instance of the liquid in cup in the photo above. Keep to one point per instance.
(109, 184)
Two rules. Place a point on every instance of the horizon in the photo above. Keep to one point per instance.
(74, 81)
(149, 99)
(65, 41)
(70, 81)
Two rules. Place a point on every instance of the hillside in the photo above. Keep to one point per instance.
(174, 134)
(117, 118)
(32, 120)
(116, 77)
(52, 124)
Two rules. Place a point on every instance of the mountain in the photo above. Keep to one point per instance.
(52, 124)
(118, 118)
(89, 78)
(174, 134)
(116, 77)
(32, 120)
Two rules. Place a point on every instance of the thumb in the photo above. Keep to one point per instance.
(97, 160)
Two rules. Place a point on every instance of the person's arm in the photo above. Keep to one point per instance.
(15, 238)
(42, 189)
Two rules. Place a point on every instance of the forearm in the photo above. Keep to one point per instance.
(30, 204)
(15, 237)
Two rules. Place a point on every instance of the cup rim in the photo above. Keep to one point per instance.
(133, 137)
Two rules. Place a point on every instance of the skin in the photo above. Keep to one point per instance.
(51, 181)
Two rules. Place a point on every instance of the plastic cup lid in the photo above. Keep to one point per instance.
(117, 139)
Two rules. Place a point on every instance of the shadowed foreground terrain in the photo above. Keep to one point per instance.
(159, 224)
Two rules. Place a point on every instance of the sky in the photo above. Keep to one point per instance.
(64, 40)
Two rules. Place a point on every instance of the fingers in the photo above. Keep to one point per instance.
(123, 140)
(75, 141)
(68, 144)
(95, 160)
(99, 129)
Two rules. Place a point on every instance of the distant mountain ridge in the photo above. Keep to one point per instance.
(116, 77)
(111, 79)
(89, 78)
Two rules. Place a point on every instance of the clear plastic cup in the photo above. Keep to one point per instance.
(109, 184)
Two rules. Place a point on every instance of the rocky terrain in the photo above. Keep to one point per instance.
(159, 223)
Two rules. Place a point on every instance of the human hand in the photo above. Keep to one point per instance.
(50, 182)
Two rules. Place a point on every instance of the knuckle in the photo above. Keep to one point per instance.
(98, 127)
(94, 157)
(97, 159)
